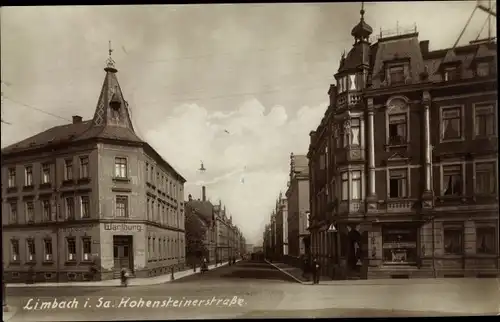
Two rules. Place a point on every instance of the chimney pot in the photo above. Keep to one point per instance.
(204, 193)
(77, 119)
(424, 46)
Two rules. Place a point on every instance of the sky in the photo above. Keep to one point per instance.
(237, 86)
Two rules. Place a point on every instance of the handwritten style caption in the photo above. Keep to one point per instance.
(37, 304)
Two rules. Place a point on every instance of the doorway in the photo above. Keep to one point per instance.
(122, 254)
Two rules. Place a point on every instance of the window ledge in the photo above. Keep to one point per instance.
(120, 179)
(68, 182)
(28, 188)
(46, 185)
(30, 262)
(11, 189)
(51, 262)
(17, 262)
(83, 180)
(86, 262)
(451, 140)
(70, 263)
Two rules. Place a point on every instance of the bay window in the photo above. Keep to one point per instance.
(345, 185)
(355, 132)
(356, 185)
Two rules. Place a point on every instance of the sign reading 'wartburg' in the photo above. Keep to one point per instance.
(123, 227)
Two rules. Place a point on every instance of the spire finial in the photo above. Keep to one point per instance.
(110, 63)
(362, 11)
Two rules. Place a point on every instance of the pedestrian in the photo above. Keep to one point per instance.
(124, 276)
(316, 271)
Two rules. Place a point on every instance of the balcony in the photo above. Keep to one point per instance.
(354, 99)
(400, 205)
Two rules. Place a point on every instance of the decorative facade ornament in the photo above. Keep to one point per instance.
(347, 126)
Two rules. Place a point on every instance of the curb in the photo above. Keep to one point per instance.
(116, 283)
(285, 272)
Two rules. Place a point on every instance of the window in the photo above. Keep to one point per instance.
(396, 75)
(148, 211)
(30, 254)
(46, 211)
(121, 206)
(84, 167)
(154, 248)
(12, 177)
(453, 240)
(356, 185)
(85, 206)
(28, 171)
(47, 250)
(483, 69)
(484, 120)
(30, 212)
(398, 183)
(45, 173)
(485, 240)
(158, 214)
(147, 172)
(71, 248)
(120, 167)
(451, 123)
(345, 186)
(87, 248)
(13, 213)
(149, 249)
(14, 248)
(399, 245)
(355, 132)
(485, 178)
(70, 208)
(397, 129)
(452, 180)
(68, 170)
(160, 249)
(450, 74)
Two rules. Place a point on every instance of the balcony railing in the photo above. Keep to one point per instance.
(400, 205)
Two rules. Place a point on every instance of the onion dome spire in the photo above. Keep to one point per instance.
(362, 30)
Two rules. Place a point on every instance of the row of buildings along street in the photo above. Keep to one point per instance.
(93, 193)
(401, 175)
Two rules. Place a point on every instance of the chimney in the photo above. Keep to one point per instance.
(77, 119)
(203, 193)
(190, 198)
(424, 47)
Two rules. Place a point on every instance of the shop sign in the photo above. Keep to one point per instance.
(123, 227)
(76, 229)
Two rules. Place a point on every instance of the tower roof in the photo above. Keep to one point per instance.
(362, 30)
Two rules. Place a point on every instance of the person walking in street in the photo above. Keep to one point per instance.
(124, 277)
(315, 271)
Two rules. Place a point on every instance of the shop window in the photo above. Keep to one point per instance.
(399, 245)
(453, 240)
(486, 240)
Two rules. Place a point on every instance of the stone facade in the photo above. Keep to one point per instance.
(403, 160)
(87, 193)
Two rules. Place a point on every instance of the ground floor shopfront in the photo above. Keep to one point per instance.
(68, 253)
(441, 246)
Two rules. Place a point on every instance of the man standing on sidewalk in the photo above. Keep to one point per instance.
(315, 271)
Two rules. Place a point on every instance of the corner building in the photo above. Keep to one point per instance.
(90, 191)
(404, 162)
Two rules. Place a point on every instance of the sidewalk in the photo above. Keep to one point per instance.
(116, 282)
(296, 274)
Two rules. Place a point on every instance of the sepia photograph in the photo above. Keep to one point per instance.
(249, 160)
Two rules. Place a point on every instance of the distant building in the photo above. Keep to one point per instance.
(297, 196)
(281, 222)
(403, 161)
(249, 248)
(90, 191)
